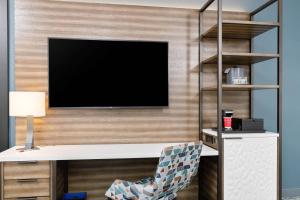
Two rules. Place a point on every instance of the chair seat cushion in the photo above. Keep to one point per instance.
(140, 190)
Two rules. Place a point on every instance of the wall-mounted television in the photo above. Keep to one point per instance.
(107, 73)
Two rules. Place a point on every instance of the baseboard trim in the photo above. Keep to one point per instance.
(291, 192)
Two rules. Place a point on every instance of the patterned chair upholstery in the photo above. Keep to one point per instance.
(177, 165)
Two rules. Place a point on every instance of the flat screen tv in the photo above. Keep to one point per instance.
(107, 74)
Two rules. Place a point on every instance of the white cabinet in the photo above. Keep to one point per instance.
(250, 167)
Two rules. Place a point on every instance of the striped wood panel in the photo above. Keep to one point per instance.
(37, 20)
(208, 178)
(60, 179)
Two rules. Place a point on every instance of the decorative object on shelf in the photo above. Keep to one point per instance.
(30, 105)
(248, 125)
(227, 119)
(236, 76)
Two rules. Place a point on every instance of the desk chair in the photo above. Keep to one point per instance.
(177, 165)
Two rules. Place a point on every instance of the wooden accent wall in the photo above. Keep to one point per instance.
(36, 20)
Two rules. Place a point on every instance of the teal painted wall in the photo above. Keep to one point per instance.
(264, 104)
(291, 76)
(265, 101)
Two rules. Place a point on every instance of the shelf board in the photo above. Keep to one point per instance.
(234, 29)
(241, 87)
(237, 135)
(195, 69)
(240, 58)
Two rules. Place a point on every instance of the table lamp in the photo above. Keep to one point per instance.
(30, 105)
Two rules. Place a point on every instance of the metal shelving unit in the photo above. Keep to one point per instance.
(243, 30)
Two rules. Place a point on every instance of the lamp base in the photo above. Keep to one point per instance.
(29, 145)
(22, 149)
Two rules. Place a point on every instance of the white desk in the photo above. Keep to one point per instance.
(49, 167)
(92, 152)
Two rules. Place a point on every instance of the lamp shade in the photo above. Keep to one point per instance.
(23, 104)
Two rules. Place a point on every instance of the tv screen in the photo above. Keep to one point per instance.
(102, 73)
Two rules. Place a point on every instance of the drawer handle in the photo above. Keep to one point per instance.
(27, 198)
(233, 138)
(26, 180)
(27, 163)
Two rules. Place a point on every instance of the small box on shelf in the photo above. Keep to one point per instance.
(210, 140)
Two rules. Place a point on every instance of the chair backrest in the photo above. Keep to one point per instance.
(177, 165)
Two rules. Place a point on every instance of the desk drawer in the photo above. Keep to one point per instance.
(26, 188)
(26, 170)
(30, 198)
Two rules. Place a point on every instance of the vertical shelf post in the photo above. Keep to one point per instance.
(251, 80)
(200, 80)
(220, 100)
(200, 74)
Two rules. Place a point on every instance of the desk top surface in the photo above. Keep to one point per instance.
(92, 152)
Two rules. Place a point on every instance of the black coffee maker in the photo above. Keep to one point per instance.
(227, 120)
